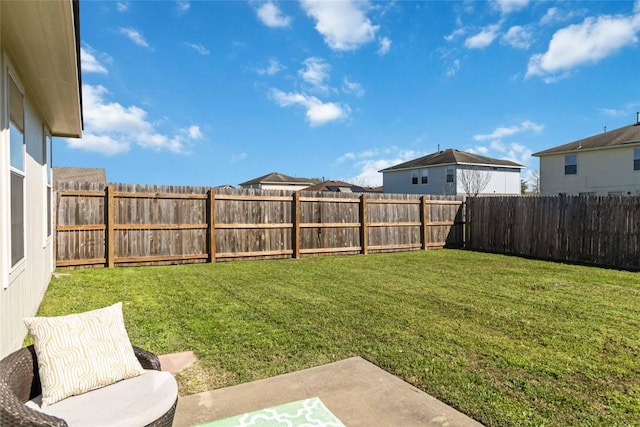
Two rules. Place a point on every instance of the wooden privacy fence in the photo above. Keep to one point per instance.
(595, 230)
(146, 225)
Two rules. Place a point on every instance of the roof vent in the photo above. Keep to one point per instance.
(638, 118)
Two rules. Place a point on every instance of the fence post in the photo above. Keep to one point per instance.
(424, 219)
(211, 223)
(295, 232)
(110, 217)
(364, 233)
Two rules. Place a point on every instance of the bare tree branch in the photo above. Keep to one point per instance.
(473, 181)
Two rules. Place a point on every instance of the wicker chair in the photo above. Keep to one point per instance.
(20, 382)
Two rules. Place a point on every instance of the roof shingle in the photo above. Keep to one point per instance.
(617, 137)
(452, 157)
(277, 178)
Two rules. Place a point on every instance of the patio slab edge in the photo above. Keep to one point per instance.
(358, 392)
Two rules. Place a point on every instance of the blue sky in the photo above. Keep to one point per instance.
(211, 93)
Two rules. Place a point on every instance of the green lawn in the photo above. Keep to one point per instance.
(508, 341)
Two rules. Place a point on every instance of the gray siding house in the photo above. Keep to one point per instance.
(278, 181)
(453, 173)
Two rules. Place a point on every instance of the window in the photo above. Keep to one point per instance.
(424, 176)
(17, 171)
(449, 174)
(636, 159)
(49, 187)
(414, 177)
(570, 164)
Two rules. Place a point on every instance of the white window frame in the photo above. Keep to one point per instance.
(567, 157)
(415, 177)
(452, 175)
(47, 154)
(636, 159)
(13, 270)
(424, 173)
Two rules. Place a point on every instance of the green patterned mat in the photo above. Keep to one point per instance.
(303, 413)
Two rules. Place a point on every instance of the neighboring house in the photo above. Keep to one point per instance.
(603, 164)
(342, 187)
(67, 174)
(452, 172)
(278, 181)
(40, 97)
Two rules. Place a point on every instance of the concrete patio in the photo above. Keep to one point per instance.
(355, 390)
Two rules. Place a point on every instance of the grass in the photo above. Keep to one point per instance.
(506, 340)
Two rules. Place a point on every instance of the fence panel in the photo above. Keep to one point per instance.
(150, 225)
(594, 230)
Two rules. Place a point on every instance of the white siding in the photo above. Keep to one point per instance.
(27, 285)
(598, 171)
(502, 182)
(285, 187)
(399, 182)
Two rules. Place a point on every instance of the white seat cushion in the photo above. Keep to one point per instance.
(133, 402)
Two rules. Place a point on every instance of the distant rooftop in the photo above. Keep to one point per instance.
(452, 157)
(277, 178)
(613, 138)
(69, 174)
(342, 187)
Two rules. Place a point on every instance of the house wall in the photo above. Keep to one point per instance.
(23, 287)
(285, 187)
(598, 171)
(503, 181)
(399, 182)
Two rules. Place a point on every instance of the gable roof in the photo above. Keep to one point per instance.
(613, 138)
(452, 157)
(278, 178)
(342, 187)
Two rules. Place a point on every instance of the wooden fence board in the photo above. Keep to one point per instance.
(150, 225)
(595, 230)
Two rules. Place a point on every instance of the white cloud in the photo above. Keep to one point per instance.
(199, 48)
(503, 131)
(238, 157)
(584, 43)
(343, 24)
(509, 6)
(102, 144)
(484, 38)
(135, 36)
(518, 153)
(612, 112)
(110, 128)
(318, 112)
(457, 33)
(89, 63)
(122, 6)
(193, 132)
(453, 68)
(273, 68)
(272, 16)
(183, 6)
(352, 87)
(316, 73)
(518, 37)
(385, 46)
(367, 163)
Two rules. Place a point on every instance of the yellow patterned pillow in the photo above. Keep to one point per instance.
(81, 352)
